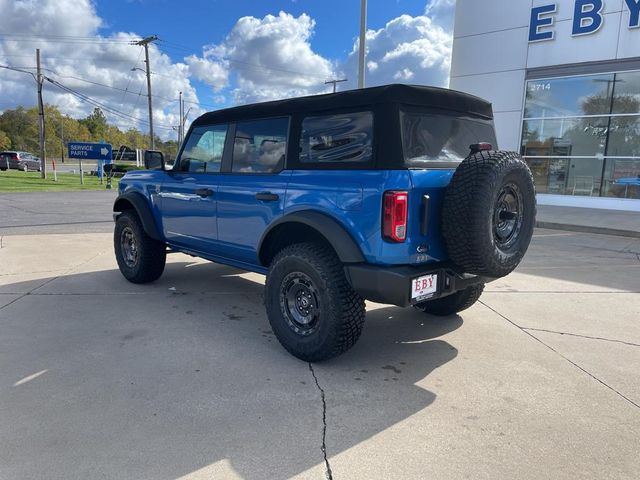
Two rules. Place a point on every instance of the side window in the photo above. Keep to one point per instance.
(204, 149)
(346, 137)
(260, 146)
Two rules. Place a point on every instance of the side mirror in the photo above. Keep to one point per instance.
(153, 160)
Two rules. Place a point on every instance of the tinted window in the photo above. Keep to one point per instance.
(204, 149)
(429, 139)
(337, 138)
(260, 146)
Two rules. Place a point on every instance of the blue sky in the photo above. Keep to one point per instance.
(208, 21)
(219, 53)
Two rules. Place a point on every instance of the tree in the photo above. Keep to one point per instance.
(5, 141)
(97, 125)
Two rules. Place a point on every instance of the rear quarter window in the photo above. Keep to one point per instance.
(433, 140)
(345, 138)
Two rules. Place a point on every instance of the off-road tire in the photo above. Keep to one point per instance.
(471, 203)
(341, 311)
(452, 304)
(151, 254)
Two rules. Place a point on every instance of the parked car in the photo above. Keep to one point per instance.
(393, 194)
(17, 160)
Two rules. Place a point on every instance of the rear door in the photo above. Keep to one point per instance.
(188, 196)
(251, 194)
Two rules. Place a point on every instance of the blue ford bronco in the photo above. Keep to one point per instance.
(391, 194)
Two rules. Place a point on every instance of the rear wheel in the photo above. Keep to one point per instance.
(24, 168)
(141, 259)
(312, 309)
(453, 303)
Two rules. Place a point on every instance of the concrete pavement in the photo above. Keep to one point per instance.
(184, 379)
(590, 220)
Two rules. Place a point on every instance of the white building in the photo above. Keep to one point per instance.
(564, 80)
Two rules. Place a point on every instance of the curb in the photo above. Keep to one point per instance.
(588, 229)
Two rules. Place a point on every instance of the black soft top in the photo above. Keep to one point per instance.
(416, 95)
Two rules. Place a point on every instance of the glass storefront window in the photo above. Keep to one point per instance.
(565, 137)
(622, 178)
(565, 97)
(627, 93)
(624, 137)
(581, 135)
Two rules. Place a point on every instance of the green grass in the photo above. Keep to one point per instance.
(16, 181)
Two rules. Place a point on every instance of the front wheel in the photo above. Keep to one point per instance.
(452, 304)
(312, 309)
(141, 259)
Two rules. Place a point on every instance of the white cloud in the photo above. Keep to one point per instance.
(46, 24)
(215, 74)
(407, 49)
(272, 58)
(442, 13)
(259, 59)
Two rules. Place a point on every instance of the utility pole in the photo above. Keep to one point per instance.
(145, 43)
(363, 33)
(335, 82)
(181, 126)
(39, 79)
(183, 121)
(62, 138)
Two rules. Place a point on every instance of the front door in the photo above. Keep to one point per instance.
(253, 193)
(188, 196)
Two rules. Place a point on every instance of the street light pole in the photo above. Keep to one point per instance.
(145, 43)
(335, 82)
(363, 33)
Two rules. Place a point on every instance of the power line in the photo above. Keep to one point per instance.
(129, 82)
(101, 105)
(125, 91)
(34, 38)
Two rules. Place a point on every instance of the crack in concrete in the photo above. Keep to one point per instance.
(1, 239)
(328, 472)
(581, 336)
(523, 330)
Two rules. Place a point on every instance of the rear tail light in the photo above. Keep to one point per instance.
(480, 147)
(394, 216)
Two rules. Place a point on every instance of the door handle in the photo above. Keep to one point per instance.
(267, 197)
(204, 192)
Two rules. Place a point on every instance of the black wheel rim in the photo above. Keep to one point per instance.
(129, 247)
(508, 216)
(299, 303)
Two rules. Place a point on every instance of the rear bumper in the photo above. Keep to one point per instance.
(392, 285)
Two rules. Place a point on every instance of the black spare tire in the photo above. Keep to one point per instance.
(489, 213)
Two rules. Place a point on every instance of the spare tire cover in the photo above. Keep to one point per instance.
(489, 213)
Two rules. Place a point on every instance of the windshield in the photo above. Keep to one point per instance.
(441, 140)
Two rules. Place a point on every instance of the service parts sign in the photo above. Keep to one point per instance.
(588, 18)
(90, 151)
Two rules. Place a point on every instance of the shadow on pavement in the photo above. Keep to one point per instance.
(148, 382)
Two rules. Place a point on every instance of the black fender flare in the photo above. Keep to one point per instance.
(335, 233)
(141, 206)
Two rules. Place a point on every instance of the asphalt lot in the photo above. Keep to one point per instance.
(183, 379)
(56, 212)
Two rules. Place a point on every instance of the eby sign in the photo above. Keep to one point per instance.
(587, 18)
